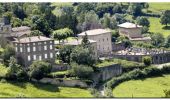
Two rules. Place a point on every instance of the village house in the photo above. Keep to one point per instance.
(133, 32)
(103, 39)
(77, 42)
(29, 49)
(20, 32)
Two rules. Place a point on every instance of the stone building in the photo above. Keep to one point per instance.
(20, 32)
(93, 45)
(103, 39)
(133, 32)
(29, 49)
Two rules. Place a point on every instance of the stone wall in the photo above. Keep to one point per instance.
(156, 58)
(108, 72)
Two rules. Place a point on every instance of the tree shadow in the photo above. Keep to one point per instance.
(144, 78)
(166, 27)
(47, 87)
(18, 83)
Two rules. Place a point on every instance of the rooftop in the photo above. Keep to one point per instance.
(33, 39)
(77, 42)
(141, 39)
(95, 32)
(21, 33)
(129, 25)
(21, 28)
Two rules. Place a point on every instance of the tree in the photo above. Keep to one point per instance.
(167, 93)
(147, 60)
(16, 22)
(85, 41)
(8, 52)
(108, 22)
(135, 9)
(36, 33)
(39, 69)
(157, 39)
(165, 18)
(145, 29)
(143, 21)
(81, 71)
(62, 34)
(15, 71)
(64, 53)
(91, 21)
(167, 42)
(80, 52)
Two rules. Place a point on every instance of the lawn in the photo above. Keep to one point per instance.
(156, 26)
(20, 89)
(150, 87)
(158, 7)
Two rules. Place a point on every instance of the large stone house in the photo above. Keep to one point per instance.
(103, 39)
(77, 42)
(132, 31)
(29, 49)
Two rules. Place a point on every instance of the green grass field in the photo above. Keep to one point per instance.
(156, 26)
(158, 7)
(20, 89)
(150, 87)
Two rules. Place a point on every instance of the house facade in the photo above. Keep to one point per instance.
(34, 48)
(133, 32)
(103, 39)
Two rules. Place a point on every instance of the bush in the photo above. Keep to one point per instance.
(39, 69)
(81, 71)
(147, 60)
(15, 71)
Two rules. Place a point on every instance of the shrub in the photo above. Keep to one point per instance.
(39, 69)
(147, 60)
(81, 71)
(15, 71)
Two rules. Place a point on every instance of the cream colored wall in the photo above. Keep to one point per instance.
(102, 46)
(132, 32)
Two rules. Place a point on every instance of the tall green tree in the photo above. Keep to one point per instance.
(165, 18)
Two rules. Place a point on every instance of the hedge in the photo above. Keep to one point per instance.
(137, 74)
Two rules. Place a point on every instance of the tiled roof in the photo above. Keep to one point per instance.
(95, 32)
(33, 39)
(22, 28)
(129, 25)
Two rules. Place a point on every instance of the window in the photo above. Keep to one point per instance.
(107, 39)
(50, 41)
(103, 40)
(40, 58)
(45, 47)
(34, 49)
(29, 58)
(45, 42)
(51, 47)
(20, 49)
(28, 49)
(34, 57)
(45, 55)
(16, 49)
(33, 43)
(51, 55)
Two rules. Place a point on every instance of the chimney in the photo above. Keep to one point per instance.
(29, 39)
(136, 25)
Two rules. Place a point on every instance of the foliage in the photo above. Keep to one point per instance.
(7, 53)
(64, 53)
(157, 39)
(62, 34)
(147, 60)
(39, 69)
(15, 71)
(36, 33)
(81, 71)
(143, 21)
(165, 18)
(135, 9)
(80, 52)
(108, 22)
(85, 41)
